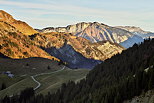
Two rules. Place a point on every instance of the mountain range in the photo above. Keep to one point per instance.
(93, 31)
(120, 60)
(126, 36)
(23, 41)
(82, 45)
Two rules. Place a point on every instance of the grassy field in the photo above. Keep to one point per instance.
(49, 83)
(17, 86)
(29, 66)
(9, 81)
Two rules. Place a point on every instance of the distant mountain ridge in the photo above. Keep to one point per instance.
(137, 31)
(93, 31)
(126, 36)
(131, 41)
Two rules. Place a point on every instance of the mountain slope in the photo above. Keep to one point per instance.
(73, 59)
(72, 49)
(98, 51)
(23, 69)
(28, 66)
(131, 41)
(94, 32)
(115, 80)
(17, 45)
(147, 97)
(19, 25)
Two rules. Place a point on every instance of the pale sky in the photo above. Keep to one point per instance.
(54, 13)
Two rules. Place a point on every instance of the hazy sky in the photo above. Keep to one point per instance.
(45, 13)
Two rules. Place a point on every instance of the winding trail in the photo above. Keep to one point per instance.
(38, 83)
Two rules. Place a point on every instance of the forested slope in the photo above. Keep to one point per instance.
(117, 79)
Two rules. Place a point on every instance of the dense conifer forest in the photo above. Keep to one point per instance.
(117, 79)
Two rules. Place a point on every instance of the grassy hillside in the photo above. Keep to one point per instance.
(49, 83)
(24, 68)
(29, 66)
(16, 87)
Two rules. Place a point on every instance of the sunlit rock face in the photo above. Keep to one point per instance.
(93, 31)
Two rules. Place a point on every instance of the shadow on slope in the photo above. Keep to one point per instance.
(71, 57)
(131, 41)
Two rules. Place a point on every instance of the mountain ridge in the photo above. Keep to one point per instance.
(93, 31)
(19, 25)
